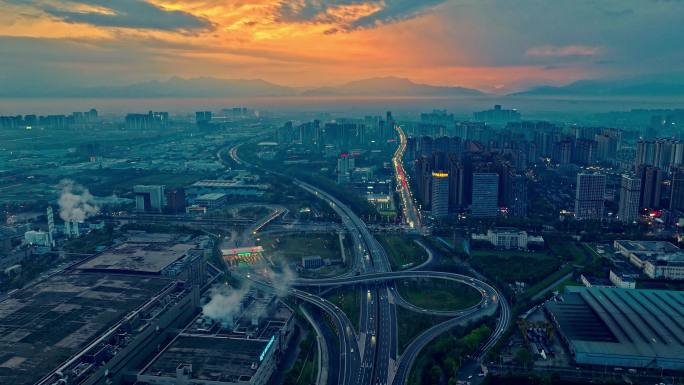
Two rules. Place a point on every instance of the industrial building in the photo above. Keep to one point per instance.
(174, 258)
(657, 259)
(613, 327)
(104, 317)
(211, 200)
(244, 349)
(232, 188)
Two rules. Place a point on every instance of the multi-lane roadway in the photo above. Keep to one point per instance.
(370, 356)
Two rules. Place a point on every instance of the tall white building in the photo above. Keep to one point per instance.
(440, 194)
(630, 190)
(149, 198)
(589, 196)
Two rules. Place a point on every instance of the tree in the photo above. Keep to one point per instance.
(435, 374)
(523, 356)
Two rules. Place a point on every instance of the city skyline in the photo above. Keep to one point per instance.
(493, 46)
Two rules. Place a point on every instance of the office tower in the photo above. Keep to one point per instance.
(345, 166)
(424, 166)
(440, 194)
(51, 225)
(589, 196)
(518, 196)
(630, 192)
(485, 195)
(149, 198)
(651, 184)
(677, 196)
(456, 185)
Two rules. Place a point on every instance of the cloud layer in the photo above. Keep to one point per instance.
(489, 44)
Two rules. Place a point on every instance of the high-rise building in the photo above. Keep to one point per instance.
(518, 196)
(345, 166)
(630, 192)
(440, 194)
(645, 153)
(175, 201)
(424, 166)
(584, 152)
(456, 185)
(651, 184)
(485, 195)
(589, 196)
(149, 198)
(677, 196)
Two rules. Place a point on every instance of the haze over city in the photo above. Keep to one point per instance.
(341, 192)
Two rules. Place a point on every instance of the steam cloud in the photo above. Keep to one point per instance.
(282, 282)
(76, 203)
(224, 304)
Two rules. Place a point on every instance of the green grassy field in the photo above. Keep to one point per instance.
(349, 300)
(511, 266)
(410, 324)
(293, 247)
(438, 294)
(403, 252)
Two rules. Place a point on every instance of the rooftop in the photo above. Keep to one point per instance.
(604, 322)
(647, 246)
(211, 196)
(148, 258)
(43, 325)
(212, 358)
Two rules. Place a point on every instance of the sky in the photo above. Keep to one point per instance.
(492, 45)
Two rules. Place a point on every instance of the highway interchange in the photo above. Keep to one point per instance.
(370, 356)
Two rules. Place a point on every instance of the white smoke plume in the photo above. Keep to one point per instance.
(225, 304)
(282, 281)
(76, 203)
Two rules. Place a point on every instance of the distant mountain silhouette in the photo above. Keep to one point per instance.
(172, 88)
(390, 86)
(663, 86)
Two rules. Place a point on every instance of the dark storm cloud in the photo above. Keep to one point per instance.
(390, 11)
(137, 14)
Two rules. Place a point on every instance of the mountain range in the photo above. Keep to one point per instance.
(664, 86)
(208, 87)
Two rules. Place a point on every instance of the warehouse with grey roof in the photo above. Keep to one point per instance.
(622, 327)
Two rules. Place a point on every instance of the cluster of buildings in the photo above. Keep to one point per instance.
(621, 328)
(147, 310)
(74, 120)
(452, 175)
(340, 133)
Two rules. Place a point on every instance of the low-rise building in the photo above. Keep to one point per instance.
(657, 259)
(508, 238)
(312, 262)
